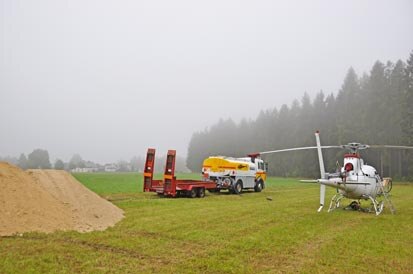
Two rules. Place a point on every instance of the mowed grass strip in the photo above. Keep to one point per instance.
(223, 233)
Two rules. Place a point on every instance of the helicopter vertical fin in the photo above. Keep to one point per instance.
(322, 171)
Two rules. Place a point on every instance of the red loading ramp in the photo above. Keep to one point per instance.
(149, 184)
(169, 179)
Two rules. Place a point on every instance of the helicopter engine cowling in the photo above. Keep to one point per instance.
(369, 171)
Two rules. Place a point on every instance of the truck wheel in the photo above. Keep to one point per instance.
(238, 187)
(192, 193)
(258, 186)
(201, 192)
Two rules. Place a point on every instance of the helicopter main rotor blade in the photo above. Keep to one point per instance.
(295, 149)
(391, 146)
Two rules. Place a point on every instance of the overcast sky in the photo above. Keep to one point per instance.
(107, 79)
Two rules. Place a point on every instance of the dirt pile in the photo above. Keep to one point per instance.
(26, 207)
(50, 200)
(89, 211)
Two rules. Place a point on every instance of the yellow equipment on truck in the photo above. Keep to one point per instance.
(236, 174)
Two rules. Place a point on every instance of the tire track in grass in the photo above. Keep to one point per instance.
(100, 247)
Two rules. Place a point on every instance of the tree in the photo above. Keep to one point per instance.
(123, 166)
(39, 158)
(136, 163)
(407, 106)
(59, 164)
(76, 161)
(22, 162)
(349, 97)
(407, 110)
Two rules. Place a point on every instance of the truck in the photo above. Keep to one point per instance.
(236, 174)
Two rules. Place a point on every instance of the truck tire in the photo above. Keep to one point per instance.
(238, 187)
(259, 186)
(192, 193)
(201, 192)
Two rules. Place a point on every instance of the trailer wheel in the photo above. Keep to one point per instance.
(238, 187)
(201, 192)
(258, 186)
(192, 193)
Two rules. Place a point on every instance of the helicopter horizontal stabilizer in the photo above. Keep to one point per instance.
(308, 181)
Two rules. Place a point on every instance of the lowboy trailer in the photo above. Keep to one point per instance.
(170, 186)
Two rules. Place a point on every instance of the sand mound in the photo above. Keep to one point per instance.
(50, 200)
(89, 210)
(26, 207)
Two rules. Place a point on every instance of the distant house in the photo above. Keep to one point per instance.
(111, 168)
(85, 169)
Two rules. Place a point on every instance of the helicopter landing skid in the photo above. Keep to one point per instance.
(378, 206)
(335, 202)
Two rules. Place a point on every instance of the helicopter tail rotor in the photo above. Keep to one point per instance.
(322, 171)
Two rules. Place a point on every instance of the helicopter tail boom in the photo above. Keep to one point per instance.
(335, 184)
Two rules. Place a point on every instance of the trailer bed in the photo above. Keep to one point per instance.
(170, 186)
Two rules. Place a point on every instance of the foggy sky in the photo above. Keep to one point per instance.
(107, 79)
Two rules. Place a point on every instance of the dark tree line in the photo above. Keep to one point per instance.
(375, 108)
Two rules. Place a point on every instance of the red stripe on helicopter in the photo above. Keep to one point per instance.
(351, 155)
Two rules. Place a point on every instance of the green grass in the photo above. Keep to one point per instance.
(223, 234)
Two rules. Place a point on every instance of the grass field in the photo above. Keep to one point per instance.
(223, 233)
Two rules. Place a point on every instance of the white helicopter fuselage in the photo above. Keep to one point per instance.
(357, 180)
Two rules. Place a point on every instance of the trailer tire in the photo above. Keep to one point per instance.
(238, 187)
(192, 193)
(258, 186)
(201, 192)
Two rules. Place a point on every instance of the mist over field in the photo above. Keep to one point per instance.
(107, 80)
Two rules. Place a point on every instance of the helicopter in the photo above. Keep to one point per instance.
(354, 180)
